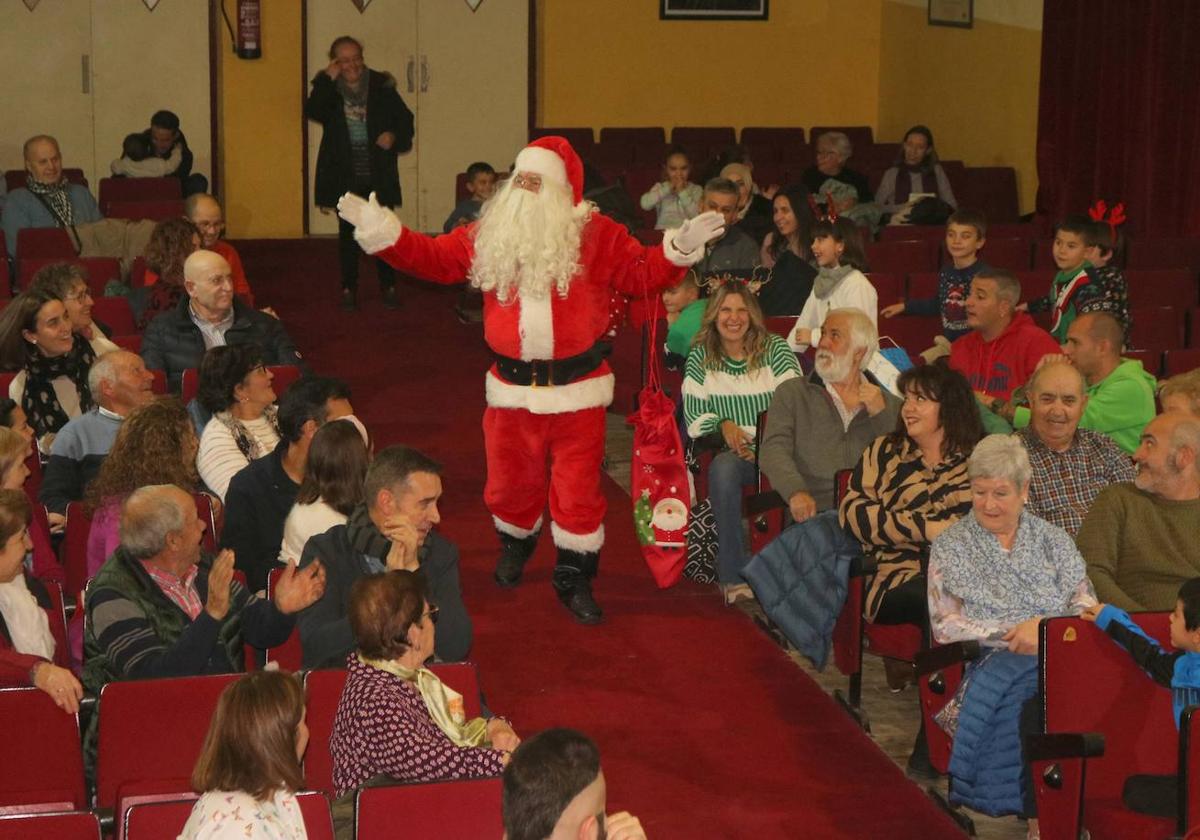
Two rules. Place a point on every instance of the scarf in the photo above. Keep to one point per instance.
(56, 198)
(40, 401)
(365, 537)
(247, 443)
(28, 627)
(355, 94)
(828, 280)
(445, 705)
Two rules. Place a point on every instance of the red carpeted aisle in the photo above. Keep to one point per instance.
(705, 728)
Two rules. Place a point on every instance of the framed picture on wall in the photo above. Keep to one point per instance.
(959, 13)
(712, 9)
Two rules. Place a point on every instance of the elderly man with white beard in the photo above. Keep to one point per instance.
(547, 264)
(821, 424)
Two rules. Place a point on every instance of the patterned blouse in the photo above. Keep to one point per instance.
(1064, 484)
(383, 728)
(225, 815)
(890, 499)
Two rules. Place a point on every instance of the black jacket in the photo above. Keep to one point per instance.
(172, 341)
(185, 155)
(256, 507)
(386, 111)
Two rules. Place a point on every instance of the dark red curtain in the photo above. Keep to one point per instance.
(1119, 111)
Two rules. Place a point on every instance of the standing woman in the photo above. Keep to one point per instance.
(366, 125)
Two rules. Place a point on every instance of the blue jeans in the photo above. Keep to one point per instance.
(727, 475)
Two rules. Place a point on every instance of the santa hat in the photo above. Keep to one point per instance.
(553, 158)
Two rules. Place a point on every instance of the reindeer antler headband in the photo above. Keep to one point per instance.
(1114, 216)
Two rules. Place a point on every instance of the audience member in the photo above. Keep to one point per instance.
(48, 199)
(1180, 393)
(396, 719)
(53, 362)
(786, 251)
(12, 416)
(210, 316)
(675, 199)
(684, 312)
(331, 489)
(822, 423)
(69, 283)
(481, 183)
(754, 210)
(1075, 283)
(916, 172)
(205, 213)
(171, 243)
(554, 790)
(155, 444)
(235, 386)
(119, 382)
(1071, 464)
(966, 233)
(393, 530)
(840, 282)
(1004, 345)
(15, 452)
(138, 159)
(1139, 538)
(1103, 244)
(733, 252)
(734, 367)
(164, 138)
(261, 493)
(32, 649)
(833, 150)
(365, 125)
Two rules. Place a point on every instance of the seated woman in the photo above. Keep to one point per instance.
(731, 374)
(331, 489)
(787, 251)
(396, 719)
(12, 416)
(916, 171)
(993, 576)
(754, 210)
(235, 386)
(249, 768)
(14, 474)
(833, 150)
(32, 637)
(171, 243)
(36, 339)
(69, 283)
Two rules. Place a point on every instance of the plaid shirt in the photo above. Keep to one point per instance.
(1064, 484)
(181, 590)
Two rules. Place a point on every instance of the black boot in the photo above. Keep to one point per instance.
(573, 575)
(514, 552)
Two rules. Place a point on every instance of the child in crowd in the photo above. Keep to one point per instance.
(1103, 247)
(675, 198)
(685, 311)
(841, 261)
(1076, 283)
(481, 183)
(1178, 670)
(139, 161)
(966, 233)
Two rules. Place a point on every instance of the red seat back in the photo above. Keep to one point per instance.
(189, 385)
(771, 144)
(889, 288)
(1164, 253)
(643, 136)
(284, 376)
(138, 189)
(461, 808)
(902, 257)
(1043, 254)
(76, 825)
(1013, 254)
(1156, 328)
(1035, 283)
(1152, 286)
(74, 547)
(159, 385)
(99, 270)
(45, 242)
(992, 189)
(906, 233)
(859, 135)
(42, 759)
(1179, 361)
(153, 210)
(115, 313)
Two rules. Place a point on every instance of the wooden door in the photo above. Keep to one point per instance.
(388, 33)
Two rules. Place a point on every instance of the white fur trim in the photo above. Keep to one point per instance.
(514, 531)
(677, 257)
(588, 543)
(559, 399)
(542, 162)
(379, 233)
(536, 327)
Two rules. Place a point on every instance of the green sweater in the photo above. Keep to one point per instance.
(1140, 548)
(681, 333)
(731, 392)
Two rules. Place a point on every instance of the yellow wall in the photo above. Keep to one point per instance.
(260, 114)
(976, 88)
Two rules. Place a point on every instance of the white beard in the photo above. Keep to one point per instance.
(528, 242)
(831, 368)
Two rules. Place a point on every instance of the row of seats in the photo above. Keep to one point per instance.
(120, 198)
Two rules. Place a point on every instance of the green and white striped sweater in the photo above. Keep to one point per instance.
(729, 392)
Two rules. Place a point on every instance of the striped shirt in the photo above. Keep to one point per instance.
(730, 391)
(219, 459)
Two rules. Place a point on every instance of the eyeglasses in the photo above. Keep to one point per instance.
(431, 613)
(82, 294)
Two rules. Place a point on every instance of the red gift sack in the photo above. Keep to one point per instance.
(659, 480)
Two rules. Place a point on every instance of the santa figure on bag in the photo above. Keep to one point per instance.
(547, 264)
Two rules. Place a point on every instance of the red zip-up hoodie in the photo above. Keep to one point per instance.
(1000, 366)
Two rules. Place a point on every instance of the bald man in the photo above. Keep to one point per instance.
(205, 213)
(48, 200)
(210, 316)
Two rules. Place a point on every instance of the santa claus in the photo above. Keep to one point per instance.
(547, 264)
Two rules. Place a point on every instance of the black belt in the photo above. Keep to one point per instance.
(542, 373)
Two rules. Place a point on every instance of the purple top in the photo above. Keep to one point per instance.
(383, 727)
(104, 536)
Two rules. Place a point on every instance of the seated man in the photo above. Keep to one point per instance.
(1004, 345)
(554, 790)
(205, 213)
(210, 316)
(119, 383)
(1071, 464)
(157, 609)
(165, 139)
(394, 530)
(261, 494)
(48, 199)
(733, 252)
(1140, 539)
(821, 424)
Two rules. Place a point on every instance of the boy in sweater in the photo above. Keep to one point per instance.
(481, 183)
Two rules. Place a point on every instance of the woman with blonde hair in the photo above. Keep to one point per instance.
(15, 450)
(249, 768)
(731, 374)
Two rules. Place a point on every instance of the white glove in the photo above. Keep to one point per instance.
(375, 226)
(698, 232)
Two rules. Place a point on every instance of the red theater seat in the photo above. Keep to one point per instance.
(771, 144)
(902, 257)
(153, 210)
(1164, 253)
(115, 313)
(462, 808)
(43, 766)
(138, 189)
(1013, 254)
(1155, 287)
(33, 243)
(860, 135)
(77, 825)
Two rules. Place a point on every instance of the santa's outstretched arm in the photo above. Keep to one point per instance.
(442, 259)
(649, 269)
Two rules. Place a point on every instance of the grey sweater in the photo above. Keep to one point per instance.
(75, 457)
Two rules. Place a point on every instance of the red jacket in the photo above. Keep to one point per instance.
(1000, 366)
